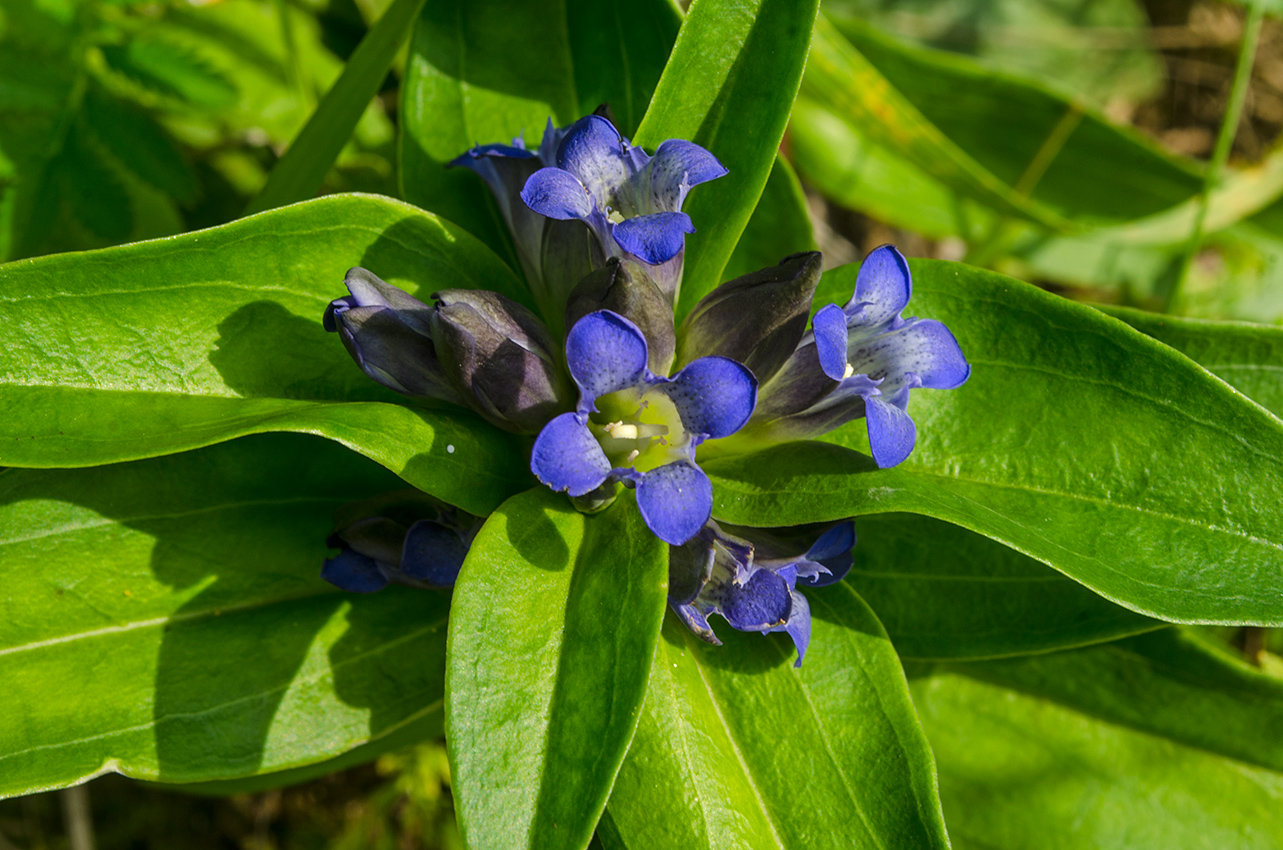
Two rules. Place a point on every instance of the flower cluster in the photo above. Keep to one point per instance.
(638, 401)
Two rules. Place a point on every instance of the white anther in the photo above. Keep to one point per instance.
(850, 370)
(632, 456)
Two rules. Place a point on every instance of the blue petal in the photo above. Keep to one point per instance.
(760, 604)
(567, 457)
(891, 431)
(833, 552)
(798, 626)
(838, 540)
(696, 622)
(468, 159)
(605, 353)
(882, 287)
(675, 500)
(654, 238)
(557, 194)
(433, 553)
(715, 396)
(920, 352)
(677, 166)
(354, 572)
(593, 151)
(829, 326)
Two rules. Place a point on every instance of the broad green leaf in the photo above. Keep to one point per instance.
(779, 226)
(139, 144)
(1018, 773)
(729, 86)
(1099, 171)
(171, 69)
(840, 77)
(483, 71)
(945, 592)
(1169, 683)
(166, 619)
(552, 633)
(166, 346)
(1099, 50)
(1077, 441)
(1248, 357)
(737, 748)
(299, 173)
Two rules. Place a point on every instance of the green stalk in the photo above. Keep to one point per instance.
(299, 174)
(1224, 140)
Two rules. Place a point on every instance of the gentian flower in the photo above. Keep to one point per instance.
(750, 576)
(406, 537)
(637, 427)
(473, 348)
(629, 201)
(860, 360)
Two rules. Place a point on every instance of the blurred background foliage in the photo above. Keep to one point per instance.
(1065, 142)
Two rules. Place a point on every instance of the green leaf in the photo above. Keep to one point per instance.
(1246, 356)
(1018, 773)
(166, 346)
(172, 70)
(737, 748)
(93, 191)
(139, 144)
(134, 595)
(1099, 171)
(1077, 441)
(1168, 683)
(945, 592)
(301, 171)
(489, 71)
(779, 226)
(840, 77)
(729, 86)
(552, 633)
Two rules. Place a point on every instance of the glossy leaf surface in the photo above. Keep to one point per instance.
(747, 751)
(1170, 683)
(1248, 357)
(729, 86)
(945, 592)
(1018, 773)
(489, 71)
(166, 346)
(552, 633)
(1125, 501)
(134, 594)
(780, 225)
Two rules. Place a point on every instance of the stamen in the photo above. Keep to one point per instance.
(850, 370)
(632, 456)
(634, 430)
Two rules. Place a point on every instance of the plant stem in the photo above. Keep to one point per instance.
(1224, 140)
(77, 817)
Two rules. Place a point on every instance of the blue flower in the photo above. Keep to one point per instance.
(589, 173)
(749, 576)
(634, 426)
(406, 537)
(861, 360)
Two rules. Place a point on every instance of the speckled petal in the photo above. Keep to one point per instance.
(566, 456)
(882, 288)
(715, 396)
(606, 353)
(354, 572)
(675, 500)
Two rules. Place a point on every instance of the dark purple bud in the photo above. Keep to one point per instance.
(501, 358)
(617, 287)
(388, 333)
(405, 537)
(757, 319)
